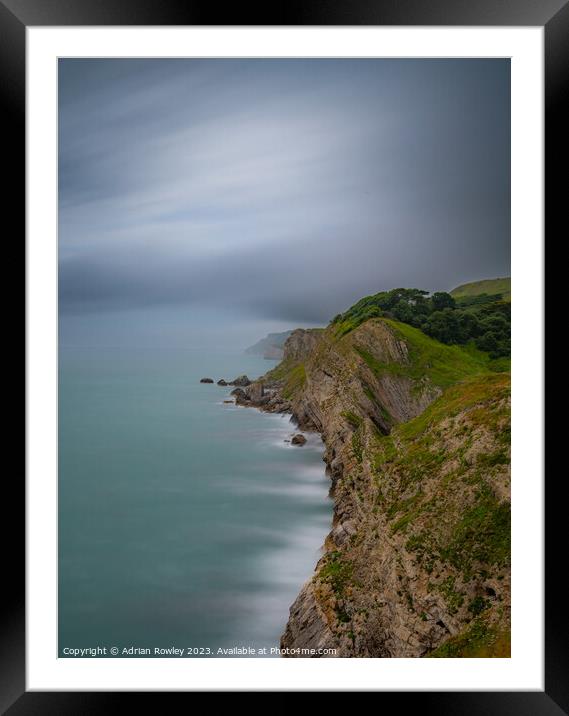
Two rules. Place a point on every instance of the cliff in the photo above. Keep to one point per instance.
(270, 347)
(417, 449)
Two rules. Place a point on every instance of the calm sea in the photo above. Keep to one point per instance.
(183, 521)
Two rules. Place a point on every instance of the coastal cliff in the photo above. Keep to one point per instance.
(417, 437)
(270, 347)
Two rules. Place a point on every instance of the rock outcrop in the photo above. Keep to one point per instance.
(300, 344)
(206, 380)
(417, 449)
(241, 381)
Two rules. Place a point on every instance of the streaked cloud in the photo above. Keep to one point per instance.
(283, 189)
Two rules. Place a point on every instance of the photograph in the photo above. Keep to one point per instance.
(285, 367)
(283, 357)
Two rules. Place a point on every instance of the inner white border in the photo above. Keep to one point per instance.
(524, 671)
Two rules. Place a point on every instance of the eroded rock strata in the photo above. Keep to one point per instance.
(417, 438)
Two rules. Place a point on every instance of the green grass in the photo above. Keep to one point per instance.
(488, 286)
(354, 420)
(478, 392)
(357, 445)
(478, 605)
(478, 640)
(372, 397)
(291, 373)
(294, 381)
(385, 453)
(482, 535)
(281, 371)
(498, 457)
(417, 462)
(453, 598)
(406, 520)
(336, 572)
(442, 364)
(341, 329)
(500, 365)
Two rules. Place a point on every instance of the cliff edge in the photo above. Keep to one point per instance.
(417, 437)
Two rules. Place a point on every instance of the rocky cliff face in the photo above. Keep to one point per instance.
(417, 448)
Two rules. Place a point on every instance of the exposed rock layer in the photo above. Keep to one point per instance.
(417, 562)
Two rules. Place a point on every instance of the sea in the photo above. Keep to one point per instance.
(184, 522)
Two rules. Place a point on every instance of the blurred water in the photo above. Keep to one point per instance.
(183, 521)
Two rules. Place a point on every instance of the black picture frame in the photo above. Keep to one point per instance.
(15, 17)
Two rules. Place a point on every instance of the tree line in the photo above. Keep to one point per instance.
(483, 319)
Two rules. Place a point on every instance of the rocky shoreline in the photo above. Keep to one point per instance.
(389, 583)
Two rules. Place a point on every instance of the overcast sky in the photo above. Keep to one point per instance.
(266, 194)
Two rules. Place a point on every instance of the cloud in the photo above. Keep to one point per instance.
(285, 189)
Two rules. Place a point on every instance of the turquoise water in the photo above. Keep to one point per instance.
(183, 521)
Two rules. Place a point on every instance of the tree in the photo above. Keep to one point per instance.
(469, 324)
(487, 342)
(402, 311)
(444, 326)
(442, 300)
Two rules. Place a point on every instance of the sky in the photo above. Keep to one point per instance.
(213, 201)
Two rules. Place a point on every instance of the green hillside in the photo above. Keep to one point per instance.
(483, 319)
(490, 286)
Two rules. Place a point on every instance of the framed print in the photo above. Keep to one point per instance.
(285, 314)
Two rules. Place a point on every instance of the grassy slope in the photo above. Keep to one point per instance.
(444, 365)
(489, 286)
(480, 640)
